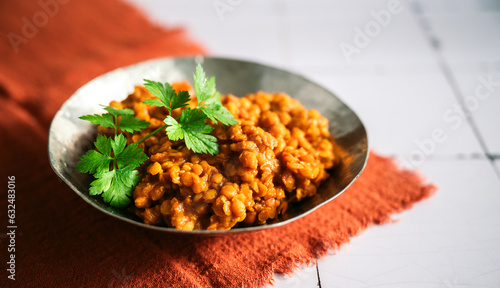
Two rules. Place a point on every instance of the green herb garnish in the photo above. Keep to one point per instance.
(191, 125)
(113, 163)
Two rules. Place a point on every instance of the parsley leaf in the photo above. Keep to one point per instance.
(180, 101)
(116, 186)
(96, 161)
(174, 130)
(209, 99)
(105, 120)
(201, 143)
(204, 88)
(192, 128)
(100, 160)
(118, 144)
(119, 112)
(216, 112)
(193, 119)
(129, 123)
(132, 156)
(166, 96)
(164, 93)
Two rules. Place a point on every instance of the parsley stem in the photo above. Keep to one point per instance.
(151, 134)
(116, 125)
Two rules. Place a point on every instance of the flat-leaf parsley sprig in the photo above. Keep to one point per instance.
(113, 163)
(191, 125)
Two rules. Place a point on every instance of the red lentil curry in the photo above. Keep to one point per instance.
(278, 153)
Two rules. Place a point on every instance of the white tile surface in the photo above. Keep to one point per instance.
(404, 107)
(448, 240)
(483, 104)
(248, 31)
(478, 40)
(306, 277)
(317, 40)
(454, 7)
(472, 54)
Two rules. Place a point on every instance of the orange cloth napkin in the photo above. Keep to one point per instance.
(49, 48)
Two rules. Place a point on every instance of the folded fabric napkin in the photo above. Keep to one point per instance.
(49, 49)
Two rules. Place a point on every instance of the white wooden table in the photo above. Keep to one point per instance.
(424, 76)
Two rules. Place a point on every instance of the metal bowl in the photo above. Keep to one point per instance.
(70, 137)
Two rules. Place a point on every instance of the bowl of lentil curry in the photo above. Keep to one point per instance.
(295, 147)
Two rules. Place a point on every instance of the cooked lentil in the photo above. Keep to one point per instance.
(278, 153)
